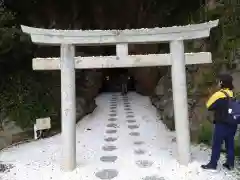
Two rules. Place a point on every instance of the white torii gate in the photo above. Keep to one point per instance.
(67, 63)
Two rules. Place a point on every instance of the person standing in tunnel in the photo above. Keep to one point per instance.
(223, 130)
(124, 82)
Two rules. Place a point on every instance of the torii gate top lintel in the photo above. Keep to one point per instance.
(80, 37)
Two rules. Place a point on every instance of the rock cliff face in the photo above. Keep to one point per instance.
(163, 101)
(88, 84)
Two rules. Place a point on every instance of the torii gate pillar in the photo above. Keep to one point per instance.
(68, 106)
(180, 100)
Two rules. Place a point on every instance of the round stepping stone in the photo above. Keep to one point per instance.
(144, 163)
(112, 119)
(111, 131)
(131, 121)
(108, 158)
(133, 126)
(139, 151)
(109, 148)
(110, 139)
(138, 143)
(129, 112)
(107, 174)
(153, 178)
(112, 125)
(134, 134)
(130, 116)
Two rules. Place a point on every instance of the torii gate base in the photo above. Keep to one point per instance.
(68, 62)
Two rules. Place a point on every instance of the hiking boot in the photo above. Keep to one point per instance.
(209, 167)
(228, 167)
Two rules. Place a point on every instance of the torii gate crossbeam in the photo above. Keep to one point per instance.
(67, 63)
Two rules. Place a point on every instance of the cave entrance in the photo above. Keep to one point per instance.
(113, 78)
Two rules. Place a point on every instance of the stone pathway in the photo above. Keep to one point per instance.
(138, 149)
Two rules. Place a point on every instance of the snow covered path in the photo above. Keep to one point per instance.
(121, 140)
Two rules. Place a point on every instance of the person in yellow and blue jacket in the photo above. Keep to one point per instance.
(223, 131)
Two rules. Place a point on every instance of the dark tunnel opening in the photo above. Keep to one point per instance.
(114, 78)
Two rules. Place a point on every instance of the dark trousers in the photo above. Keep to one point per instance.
(124, 88)
(223, 133)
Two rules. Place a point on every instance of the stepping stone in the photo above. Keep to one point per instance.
(138, 143)
(153, 178)
(127, 109)
(130, 116)
(110, 139)
(144, 163)
(134, 134)
(112, 119)
(107, 174)
(108, 158)
(131, 121)
(112, 125)
(139, 151)
(129, 112)
(109, 148)
(133, 126)
(112, 115)
(111, 131)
